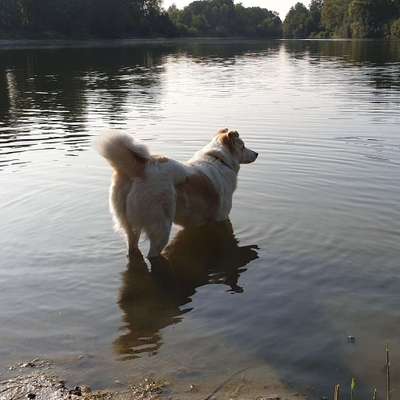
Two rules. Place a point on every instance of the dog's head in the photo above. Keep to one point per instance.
(235, 145)
(228, 147)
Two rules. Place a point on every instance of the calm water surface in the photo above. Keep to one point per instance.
(313, 251)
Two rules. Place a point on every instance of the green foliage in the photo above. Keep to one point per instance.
(256, 21)
(369, 17)
(122, 18)
(77, 18)
(395, 29)
(125, 18)
(224, 18)
(298, 22)
(344, 19)
(334, 17)
(315, 15)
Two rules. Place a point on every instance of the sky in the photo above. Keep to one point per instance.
(281, 6)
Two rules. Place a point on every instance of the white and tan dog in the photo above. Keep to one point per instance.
(148, 193)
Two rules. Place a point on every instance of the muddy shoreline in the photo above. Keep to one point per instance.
(38, 379)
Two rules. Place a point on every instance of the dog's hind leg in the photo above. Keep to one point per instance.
(158, 234)
(133, 241)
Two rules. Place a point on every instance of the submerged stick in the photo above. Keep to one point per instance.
(336, 395)
(216, 390)
(388, 389)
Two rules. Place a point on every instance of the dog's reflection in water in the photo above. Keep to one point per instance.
(152, 300)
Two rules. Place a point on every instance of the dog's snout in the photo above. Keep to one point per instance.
(256, 154)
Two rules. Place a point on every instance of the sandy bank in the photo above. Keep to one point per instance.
(37, 380)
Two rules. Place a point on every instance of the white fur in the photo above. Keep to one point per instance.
(149, 193)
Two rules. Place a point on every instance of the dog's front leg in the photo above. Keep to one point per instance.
(158, 235)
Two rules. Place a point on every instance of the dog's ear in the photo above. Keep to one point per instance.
(233, 135)
(224, 130)
(227, 140)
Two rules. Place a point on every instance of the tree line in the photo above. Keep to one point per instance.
(224, 18)
(83, 18)
(344, 19)
(133, 18)
(146, 18)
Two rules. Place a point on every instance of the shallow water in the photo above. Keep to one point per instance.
(313, 252)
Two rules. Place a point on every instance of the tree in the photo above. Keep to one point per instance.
(9, 15)
(395, 29)
(315, 15)
(223, 18)
(370, 18)
(367, 18)
(343, 18)
(298, 22)
(334, 17)
(257, 22)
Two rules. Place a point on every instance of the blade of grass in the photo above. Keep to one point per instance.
(388, 389)
(352, 387)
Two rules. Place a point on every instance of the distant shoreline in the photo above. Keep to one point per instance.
(92, 42)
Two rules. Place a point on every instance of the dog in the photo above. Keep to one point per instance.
(150, 192)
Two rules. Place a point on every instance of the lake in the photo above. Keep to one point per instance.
(311, 255)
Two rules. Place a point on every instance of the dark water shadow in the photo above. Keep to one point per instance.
(153, 300)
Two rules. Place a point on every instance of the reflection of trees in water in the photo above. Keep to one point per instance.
(47, 94)
(130, 82)
(225, 51)
(354, 51)
(151, 301)
(4, 94)
(369, 56)
(54, 95)
(41, 81)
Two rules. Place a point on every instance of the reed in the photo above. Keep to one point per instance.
(388, 389)
(337, 390)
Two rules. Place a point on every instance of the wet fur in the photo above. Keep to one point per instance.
(149, 193)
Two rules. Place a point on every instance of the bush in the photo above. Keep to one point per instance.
(395, 29)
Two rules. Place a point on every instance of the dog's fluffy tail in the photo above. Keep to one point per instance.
(123, 153)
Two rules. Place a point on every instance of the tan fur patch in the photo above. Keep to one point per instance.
(200, 184)
(160, 159)
(201, 194)
(226, 140)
